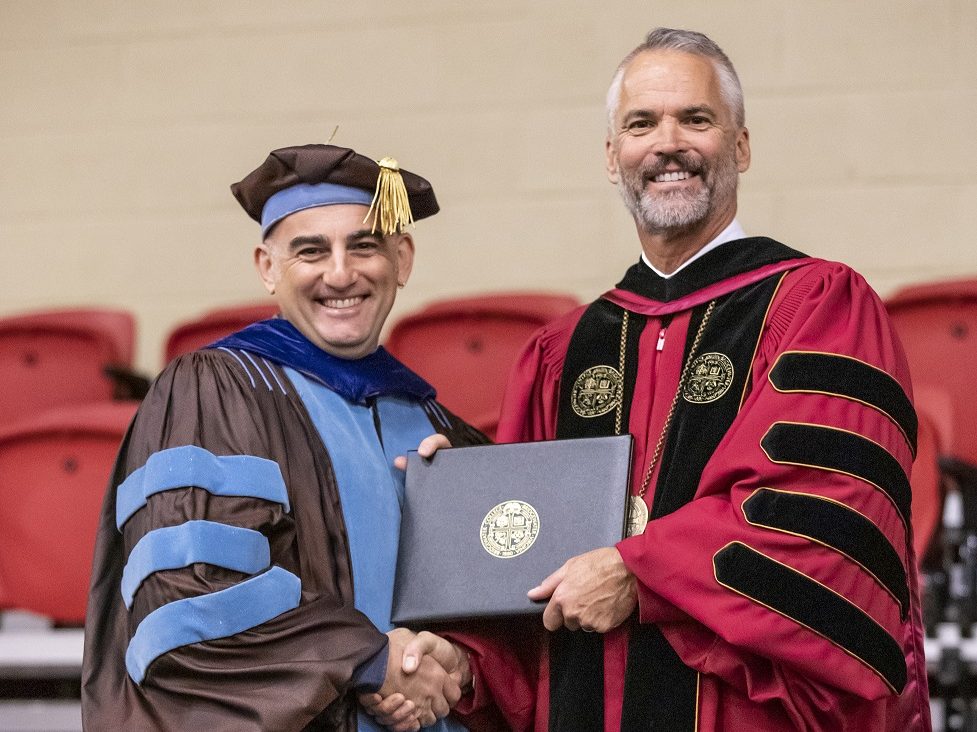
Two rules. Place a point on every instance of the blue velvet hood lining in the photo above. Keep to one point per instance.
(357, 380)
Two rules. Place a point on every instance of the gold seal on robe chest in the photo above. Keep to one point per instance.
(597, 391)
(709, 378)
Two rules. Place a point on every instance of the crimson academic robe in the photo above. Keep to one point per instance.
(222, 590)
(776, 580)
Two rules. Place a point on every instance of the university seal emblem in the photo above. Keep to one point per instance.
(509, 529)
(597, 391)
(710, 376)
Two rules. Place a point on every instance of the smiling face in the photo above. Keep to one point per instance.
(333, 279)
(674, 150)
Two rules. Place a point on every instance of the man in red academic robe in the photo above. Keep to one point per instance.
(768, 581)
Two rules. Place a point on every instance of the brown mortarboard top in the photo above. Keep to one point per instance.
(294, 178)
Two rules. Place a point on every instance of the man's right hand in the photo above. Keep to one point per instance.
(425, 674)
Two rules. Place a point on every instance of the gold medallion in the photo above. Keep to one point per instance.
(710, 376)
(637, 515)
(597, 391)
(509, 529)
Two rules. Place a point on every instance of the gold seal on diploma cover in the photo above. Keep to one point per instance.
(597, 391)
(509, 529)
(710, 376)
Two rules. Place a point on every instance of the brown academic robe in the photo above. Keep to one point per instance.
(292, 672)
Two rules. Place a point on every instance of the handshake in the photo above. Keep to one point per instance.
(425, 677)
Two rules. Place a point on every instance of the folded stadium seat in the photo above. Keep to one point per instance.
(466, 346)
(60, 357)
(934, 408)
(937, 324)
(927, 485)
(198, 332)
(54, 469)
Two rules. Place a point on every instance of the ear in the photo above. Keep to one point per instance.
(405, 257)
(743, 150)
(265, 266)
(610, 161)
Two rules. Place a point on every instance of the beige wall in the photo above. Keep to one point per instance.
(122, 122)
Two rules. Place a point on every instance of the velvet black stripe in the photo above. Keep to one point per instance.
(659, 690)
(576, 681)
(836, 526)
(577, 658)
(697, 428)
(849, 378)
(800, 598)
(731, 259)
(828, 448)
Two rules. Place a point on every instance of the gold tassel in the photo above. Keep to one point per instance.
(390, 200)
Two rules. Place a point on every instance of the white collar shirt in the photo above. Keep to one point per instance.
(730, 233)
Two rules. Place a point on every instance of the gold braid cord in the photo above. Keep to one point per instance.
(390, 201)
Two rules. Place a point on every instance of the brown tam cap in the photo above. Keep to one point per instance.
(294, 178)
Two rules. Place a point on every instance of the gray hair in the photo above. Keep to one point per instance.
(669, 39)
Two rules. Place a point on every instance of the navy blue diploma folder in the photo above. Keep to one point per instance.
(483, 525)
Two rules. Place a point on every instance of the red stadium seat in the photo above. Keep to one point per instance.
(937, 324)
(61, 357)
(53, 474)
(202, 331)
(927, 485)
(466, 346)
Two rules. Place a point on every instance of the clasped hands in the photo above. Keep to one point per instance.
(425, 677)
(426, 673)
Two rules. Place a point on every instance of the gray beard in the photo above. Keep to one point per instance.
(679, 209)
(675, 210)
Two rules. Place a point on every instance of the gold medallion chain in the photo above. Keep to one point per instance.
(638, 515)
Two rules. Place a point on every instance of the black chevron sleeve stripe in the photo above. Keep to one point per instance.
(849, 378)
(836, 526)
(828, 448)
(809, 603)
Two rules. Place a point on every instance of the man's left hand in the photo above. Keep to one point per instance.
(593, 592)
(429, 445)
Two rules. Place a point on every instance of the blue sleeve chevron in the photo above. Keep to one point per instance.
(189, 465)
